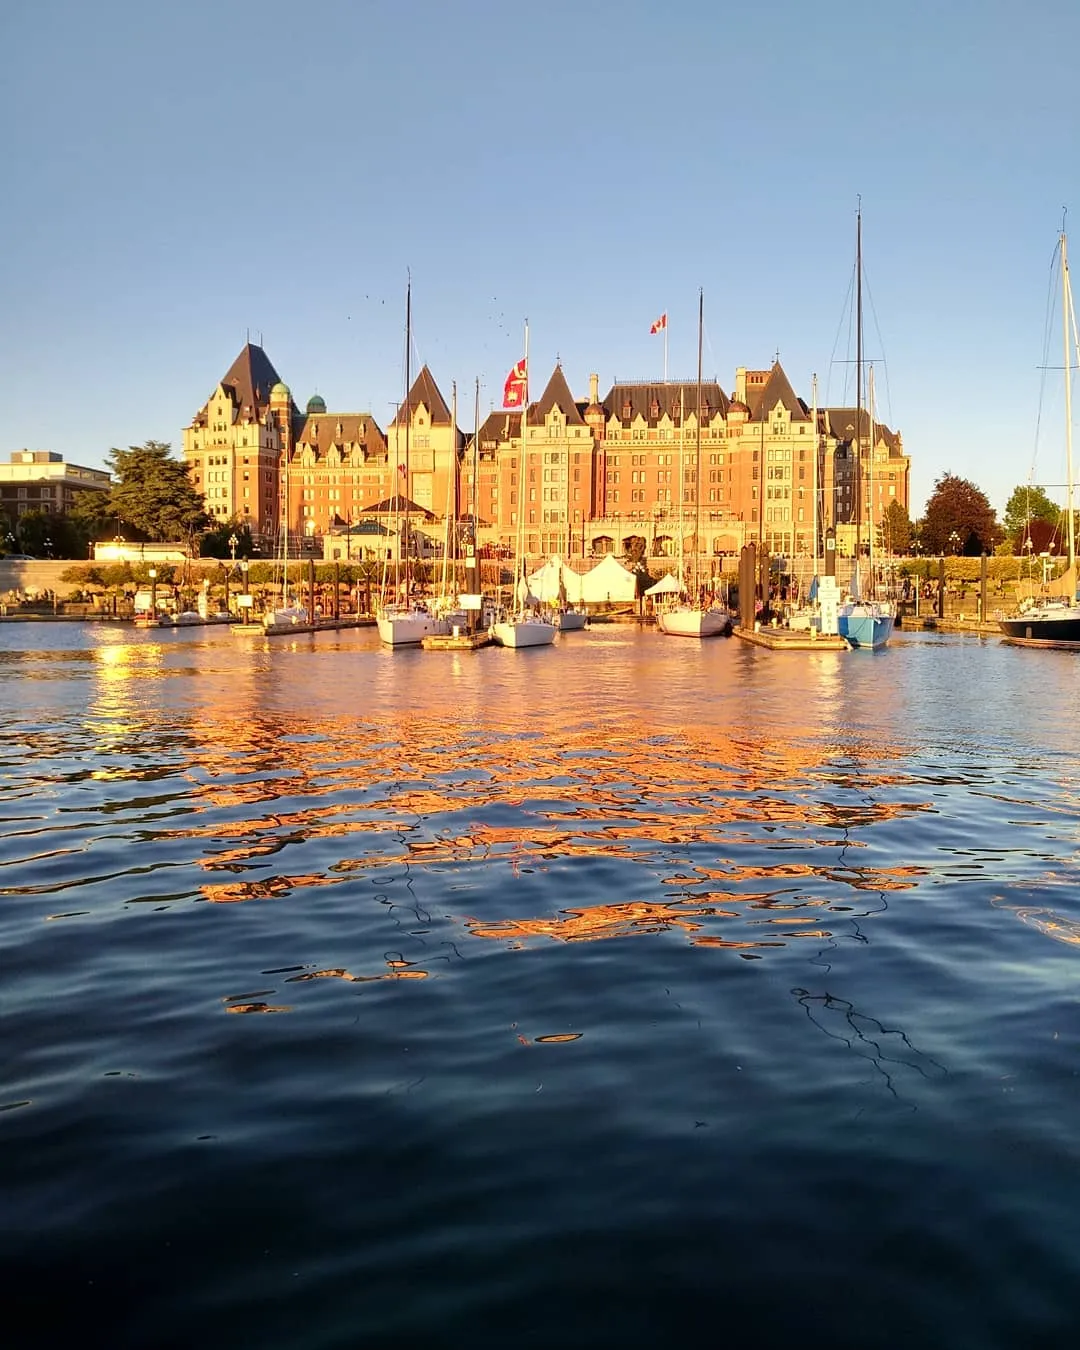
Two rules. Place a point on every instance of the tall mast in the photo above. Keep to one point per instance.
(858, 384)
(870, 469)
(451, 478)
(697, 477)
(521, 476)
(408, 421)
(1066, 307)
(476, 473)
(813, 477)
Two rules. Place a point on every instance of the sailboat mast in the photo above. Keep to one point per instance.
(521, 475)
(450, 479)
(476, 475)
(870, 469)
(858, 385)
(813, 472)
(697, 476)
(1066, 307)
(408, 422)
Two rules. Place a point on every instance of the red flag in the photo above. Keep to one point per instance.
(660, 324)
(514, 388)
(401, 470)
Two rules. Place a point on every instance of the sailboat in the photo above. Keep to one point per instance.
(401, 621)
(691, 617)
(289, 614)
(866, 624)
(523, 626)
(1055, 621)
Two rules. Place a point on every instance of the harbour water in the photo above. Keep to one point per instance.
(601, 994)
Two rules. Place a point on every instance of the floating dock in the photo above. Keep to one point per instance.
(793, 639)
(459, 642)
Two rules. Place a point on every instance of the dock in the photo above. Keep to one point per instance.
(456, 642)
(793, 640)
(285, 629)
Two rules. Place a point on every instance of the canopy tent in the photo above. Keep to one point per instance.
(553, 583)
(609, 581)
(667, 585)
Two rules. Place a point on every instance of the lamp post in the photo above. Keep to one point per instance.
(233, 541)
(954, 539)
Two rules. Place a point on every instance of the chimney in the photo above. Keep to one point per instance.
(594, 388)
(740, 385)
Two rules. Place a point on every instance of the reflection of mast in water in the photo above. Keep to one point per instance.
(870, 1039)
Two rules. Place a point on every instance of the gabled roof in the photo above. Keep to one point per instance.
(500, 426)
(557, 394)
(627, 402)
(322, 430)
(390, 505)
(424, 390)
(776, 389)
(250, 378)
(840, 423)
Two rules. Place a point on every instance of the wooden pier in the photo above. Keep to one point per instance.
(456, 642)
(793, 639)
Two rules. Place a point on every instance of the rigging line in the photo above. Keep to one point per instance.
(845, 313)
(1051, 291)
(881, 344)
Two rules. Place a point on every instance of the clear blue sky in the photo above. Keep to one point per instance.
(177, 175)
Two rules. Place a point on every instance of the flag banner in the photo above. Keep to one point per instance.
(660, 324)
(401, 470)
(514, 388)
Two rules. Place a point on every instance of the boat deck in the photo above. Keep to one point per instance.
(793, 640)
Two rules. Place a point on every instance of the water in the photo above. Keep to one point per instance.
(593, 995)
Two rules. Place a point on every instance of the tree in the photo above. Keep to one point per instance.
(896, 529)
(958, 519)
(153, 493)
(1027, 503)
(215, 542)
(33, 531)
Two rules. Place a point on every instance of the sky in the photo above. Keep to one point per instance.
(179, 178)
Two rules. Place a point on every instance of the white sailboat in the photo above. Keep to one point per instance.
(523, 626)
(401, 621)
(289, 613)
(690, 616)
(1055, 621)
(866, 624)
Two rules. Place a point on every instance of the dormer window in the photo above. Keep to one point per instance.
(627, 411)
(706, 410)
(654, 408)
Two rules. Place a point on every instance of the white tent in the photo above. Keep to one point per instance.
(667, 585)
(544, 583)
(610, 581)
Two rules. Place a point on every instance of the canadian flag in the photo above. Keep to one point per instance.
(514, 388)
(660, 324)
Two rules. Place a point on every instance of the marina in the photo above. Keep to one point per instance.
(349, 950)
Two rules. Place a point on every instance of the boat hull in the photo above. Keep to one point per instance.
(1043, 630)
(409, 629)
(570, 620)
(523, 633)
(865, 631)
(698, 623)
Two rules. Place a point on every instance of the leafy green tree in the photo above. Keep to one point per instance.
(1028, 502)
(215, 542)
(90, 518)
(154, 495)
(896, 530)
(33, 532)
(958, 519)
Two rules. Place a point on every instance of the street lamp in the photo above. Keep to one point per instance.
(954, 539)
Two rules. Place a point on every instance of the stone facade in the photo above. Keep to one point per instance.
(646, 468)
